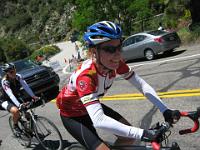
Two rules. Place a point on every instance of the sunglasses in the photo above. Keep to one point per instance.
(110, 49)
(11, 72)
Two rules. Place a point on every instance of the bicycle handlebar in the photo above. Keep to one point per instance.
(194, 116)
(30, 104)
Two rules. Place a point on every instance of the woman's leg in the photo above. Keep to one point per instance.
(7, 105)
(15, 112)
(81, 128)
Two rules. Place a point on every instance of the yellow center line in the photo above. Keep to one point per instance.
(169, 94)
(138, 96)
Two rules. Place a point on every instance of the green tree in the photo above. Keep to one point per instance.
(14, 49)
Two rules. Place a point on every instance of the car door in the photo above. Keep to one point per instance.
(128, 48)
(139, 46)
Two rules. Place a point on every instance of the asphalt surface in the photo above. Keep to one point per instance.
(167, 73)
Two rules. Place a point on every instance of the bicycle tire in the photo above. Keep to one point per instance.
(25, 138)
(76, 147)
(48, 134)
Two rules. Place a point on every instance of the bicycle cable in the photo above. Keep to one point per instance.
(165, 137)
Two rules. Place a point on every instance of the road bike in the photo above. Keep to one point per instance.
(36, 130)
(163, 136)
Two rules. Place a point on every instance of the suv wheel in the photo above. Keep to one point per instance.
(149, 54)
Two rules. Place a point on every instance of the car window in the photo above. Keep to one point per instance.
(129, 41)
(139, 38)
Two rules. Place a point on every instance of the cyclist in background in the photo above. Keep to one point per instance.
(9, 100)
(80, 109)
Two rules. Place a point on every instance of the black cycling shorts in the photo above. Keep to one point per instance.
(82, 129)
(7, 105)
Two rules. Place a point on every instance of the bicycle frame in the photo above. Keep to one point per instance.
(38, 128)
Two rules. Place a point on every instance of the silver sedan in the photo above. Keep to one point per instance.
(149, 44)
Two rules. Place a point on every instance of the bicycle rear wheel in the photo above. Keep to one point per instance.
(24, 138)
(48, 134)
(76, 147)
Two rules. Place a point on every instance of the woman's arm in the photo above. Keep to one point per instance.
(25, 86)
(102, 121)
(148, 91)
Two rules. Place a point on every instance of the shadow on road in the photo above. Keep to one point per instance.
(54, 144)
(159, 56)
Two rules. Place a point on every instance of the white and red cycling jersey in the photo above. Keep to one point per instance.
(86, 86)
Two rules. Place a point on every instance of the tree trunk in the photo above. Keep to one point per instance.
(195, 12)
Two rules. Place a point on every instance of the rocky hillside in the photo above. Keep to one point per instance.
(35, 20)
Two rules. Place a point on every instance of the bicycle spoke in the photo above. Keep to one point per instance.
(48, 134)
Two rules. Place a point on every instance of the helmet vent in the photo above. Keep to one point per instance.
(105, 30)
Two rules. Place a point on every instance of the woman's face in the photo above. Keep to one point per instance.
(109, 53)
(12, 74)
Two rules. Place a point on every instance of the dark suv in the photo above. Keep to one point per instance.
(41, 79)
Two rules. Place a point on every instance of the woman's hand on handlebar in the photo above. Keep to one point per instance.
(171, 116)
(35, 98)
(156, 133)
(23, 106)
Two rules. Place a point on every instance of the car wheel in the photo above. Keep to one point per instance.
(149, 54)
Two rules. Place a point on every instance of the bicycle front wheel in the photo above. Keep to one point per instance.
(48, 134)
(76, 147)
(24, 138)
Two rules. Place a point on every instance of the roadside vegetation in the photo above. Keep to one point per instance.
(27, 26)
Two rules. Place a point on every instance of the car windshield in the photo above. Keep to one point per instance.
(157, 32)
(24, 64)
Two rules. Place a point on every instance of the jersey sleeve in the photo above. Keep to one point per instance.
(7, 89)
(86, 88)
(124, 70)
(25, 85)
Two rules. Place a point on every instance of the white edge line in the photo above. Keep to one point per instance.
(196, 55)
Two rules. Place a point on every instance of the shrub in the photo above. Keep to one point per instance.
(46, 51)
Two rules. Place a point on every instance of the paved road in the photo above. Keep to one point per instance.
(164, 76)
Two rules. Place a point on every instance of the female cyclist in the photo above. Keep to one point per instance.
(9, 100)
(80, 109)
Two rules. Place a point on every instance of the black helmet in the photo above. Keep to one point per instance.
(8, 66)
